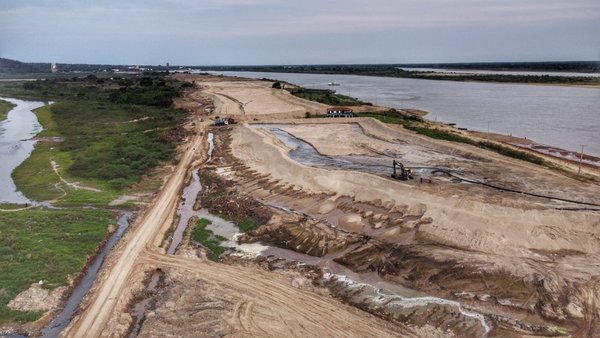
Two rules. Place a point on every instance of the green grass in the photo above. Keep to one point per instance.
(44, 116)
(208, 239)
(11, 206)
(100, 149)
(49, 245)
(329, 99)
(5, 107)
(248, 224)
(35, 178)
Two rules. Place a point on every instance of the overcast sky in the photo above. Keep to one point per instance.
(216, 32)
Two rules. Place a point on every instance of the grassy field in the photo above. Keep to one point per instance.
(106, 135)
(106, 145)
(5, 107)
(43, 244)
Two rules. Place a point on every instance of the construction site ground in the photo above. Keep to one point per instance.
(345, 248)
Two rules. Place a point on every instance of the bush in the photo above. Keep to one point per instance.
(276, 85)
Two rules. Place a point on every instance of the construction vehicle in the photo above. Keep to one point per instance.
(224, 121)
(403, 174)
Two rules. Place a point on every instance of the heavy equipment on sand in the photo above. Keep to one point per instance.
(403, 173)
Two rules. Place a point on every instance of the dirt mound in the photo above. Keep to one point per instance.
(37, 298)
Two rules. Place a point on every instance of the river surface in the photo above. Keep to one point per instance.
(565, 117)
(499, 72)
(16, 144)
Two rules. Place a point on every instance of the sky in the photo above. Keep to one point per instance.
(259, 32)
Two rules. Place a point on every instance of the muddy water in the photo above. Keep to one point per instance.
(218, 225)
(303, 152)
(16, 144)
(84, 286)
(185, 211)
(139, 309)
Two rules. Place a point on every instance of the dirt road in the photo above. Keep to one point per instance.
(268, 304)
(102, 305)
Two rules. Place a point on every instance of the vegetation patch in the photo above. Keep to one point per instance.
(420, 126)
(5, 107)
(45, 244)
(210, 241)
(113, 132)
(326, 97)
(248, 224)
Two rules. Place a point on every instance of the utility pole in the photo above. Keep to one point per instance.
(580, 160)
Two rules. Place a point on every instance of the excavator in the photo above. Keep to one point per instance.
(403, 174)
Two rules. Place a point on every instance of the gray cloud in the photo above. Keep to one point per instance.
(84, 31)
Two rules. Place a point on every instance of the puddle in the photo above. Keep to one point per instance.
(59, 323)
(211, 146)
(138, 311)
(185, 211)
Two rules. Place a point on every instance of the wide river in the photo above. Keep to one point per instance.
(16, 144)
(565, 117)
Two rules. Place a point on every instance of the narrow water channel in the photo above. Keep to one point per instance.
(62, 320)
(16, 144)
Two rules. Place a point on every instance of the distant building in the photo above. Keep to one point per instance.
(54, 68)
(340, 112)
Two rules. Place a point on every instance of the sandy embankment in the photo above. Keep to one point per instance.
(464, 222)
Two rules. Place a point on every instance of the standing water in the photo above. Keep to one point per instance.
(16, 144)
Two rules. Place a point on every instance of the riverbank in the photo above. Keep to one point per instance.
(561, 117)
(5, 107)
(398, 72)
